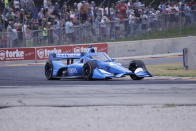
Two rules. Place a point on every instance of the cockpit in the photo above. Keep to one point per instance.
(101, 57)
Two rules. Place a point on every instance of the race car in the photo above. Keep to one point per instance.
(91, 66)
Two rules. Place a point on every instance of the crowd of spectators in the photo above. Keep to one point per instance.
(24, 17)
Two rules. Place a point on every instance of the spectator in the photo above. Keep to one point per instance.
(12, 36)
(69, 30)
(162, 7)
(45, 33)
(16, 4)
(104, 24)
(79, 5)
(1, 25)
(188, 14)
(15, 36)
(96, 27)
(116, 22)
(84, 11)
(99, 20)
(132, 20)
(121, 7)
(138, 4)
(46, 3)
(56, 30)
(1, 28)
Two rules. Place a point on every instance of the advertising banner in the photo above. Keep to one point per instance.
(13, 54)
(42, 52)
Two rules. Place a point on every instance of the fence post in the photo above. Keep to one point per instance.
(185, 58)
(35, 55)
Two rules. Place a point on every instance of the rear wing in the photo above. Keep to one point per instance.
(54, 56)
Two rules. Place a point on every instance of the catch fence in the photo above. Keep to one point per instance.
(142, 28)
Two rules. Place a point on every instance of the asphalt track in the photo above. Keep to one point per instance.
(26, 85)
(33, 75)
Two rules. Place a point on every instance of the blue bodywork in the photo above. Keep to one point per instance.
(69, 65)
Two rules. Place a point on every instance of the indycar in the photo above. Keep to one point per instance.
(91, 65)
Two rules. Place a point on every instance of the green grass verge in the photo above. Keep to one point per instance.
(171, 33)
(169, 105)
(175, 69)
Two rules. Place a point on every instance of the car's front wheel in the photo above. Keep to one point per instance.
(49, 71)
(133, 66)
(88, 69)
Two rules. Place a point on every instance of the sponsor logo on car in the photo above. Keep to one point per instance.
(72, 70)
(68, 55)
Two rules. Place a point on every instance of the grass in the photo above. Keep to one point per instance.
(169, 105)
(171, 33)
(174, 69)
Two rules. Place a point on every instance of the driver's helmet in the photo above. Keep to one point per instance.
(92, 50)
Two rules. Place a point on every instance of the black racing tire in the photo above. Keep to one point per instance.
(88, 69)
(60, 72)
(134, 77)
(133, 65)
(49, 71)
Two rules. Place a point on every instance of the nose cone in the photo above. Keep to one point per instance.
(142, 73)
(101, 74)
(116, 68)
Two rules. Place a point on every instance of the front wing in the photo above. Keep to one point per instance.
(102, 74)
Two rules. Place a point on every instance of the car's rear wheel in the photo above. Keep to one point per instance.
(133, 66)
(88, 69)
(49, 71)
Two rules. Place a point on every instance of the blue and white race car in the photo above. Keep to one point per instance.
(91, 65)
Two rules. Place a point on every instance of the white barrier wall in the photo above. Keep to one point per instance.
(191, 56)
(150, 47)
